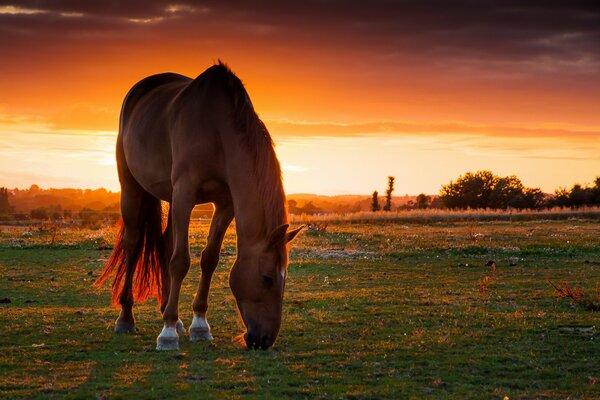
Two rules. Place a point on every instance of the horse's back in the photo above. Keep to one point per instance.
(143, 132)
(172, 127)
(145, 86)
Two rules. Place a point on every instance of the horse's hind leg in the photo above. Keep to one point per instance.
(131, 203)
(200, 329)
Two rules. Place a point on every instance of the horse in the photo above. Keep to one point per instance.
(190, 141)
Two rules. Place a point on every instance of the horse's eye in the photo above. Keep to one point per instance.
(267, 281)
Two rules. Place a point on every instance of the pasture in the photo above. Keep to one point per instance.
(380, 310)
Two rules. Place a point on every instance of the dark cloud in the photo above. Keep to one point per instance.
(432, 47)
(509, 30)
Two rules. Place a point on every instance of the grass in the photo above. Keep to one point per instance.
(372, 311)
(433, 215)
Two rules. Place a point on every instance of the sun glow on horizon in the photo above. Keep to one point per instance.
(322, 162)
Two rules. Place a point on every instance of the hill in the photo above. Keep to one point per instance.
(339, 203)
(75, 200)
(25, 200)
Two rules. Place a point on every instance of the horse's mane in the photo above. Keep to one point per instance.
(258, 141)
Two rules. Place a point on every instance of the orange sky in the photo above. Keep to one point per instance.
(350, 94)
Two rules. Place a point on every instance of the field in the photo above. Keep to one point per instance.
(380, 310)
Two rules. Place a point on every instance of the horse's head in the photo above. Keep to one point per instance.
(257, 281)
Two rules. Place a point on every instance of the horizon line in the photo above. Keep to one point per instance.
(287, 194)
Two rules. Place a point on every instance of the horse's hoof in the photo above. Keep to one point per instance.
(167, 344)
(124, 327)
(180, 328)
(168, 339)
(199, 334)
(200, 330)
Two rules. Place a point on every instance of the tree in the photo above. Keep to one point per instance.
(534, 198)
(578, 196)
(596, 192)
(483, 189)
(561, 197)
(388, 194)
(471, 190)
(423, 201)
(4, 204)
(506, 192)
(375, 202)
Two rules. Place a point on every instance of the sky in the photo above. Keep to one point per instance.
(351, 91)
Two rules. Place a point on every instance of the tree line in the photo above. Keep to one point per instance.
(484, 189)
(481, 189)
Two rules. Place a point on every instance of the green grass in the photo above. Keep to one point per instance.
(371, 311)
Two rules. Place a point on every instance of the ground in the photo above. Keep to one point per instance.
(386, 310)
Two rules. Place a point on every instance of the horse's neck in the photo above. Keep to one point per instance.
(249, 213)
(249, 206)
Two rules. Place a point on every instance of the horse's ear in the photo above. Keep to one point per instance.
(289, 236)
(278, 235)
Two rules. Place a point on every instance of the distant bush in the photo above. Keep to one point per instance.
(423, 201)
(40, 213)
(90, 218)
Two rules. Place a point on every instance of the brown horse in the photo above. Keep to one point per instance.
(186, 142)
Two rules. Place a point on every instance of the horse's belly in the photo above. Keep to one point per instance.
(149, 163)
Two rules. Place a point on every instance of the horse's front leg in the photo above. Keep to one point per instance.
(179, 265)
(165, 276)
(200, 329)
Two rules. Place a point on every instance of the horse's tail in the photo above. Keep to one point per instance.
(150, 256)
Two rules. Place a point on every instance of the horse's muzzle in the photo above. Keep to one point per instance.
(256, 341)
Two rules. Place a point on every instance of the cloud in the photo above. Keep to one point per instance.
(393, 128)
(16, 10)
(80, 118)
(564, 34)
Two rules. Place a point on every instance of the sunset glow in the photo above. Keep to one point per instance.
(359, 95)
